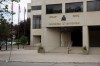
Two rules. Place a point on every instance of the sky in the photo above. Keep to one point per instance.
(23, 3)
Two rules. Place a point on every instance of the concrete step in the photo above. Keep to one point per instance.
(94, 50)
(73, 50)
(37, 45)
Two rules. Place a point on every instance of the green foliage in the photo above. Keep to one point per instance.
(23, 40)
(10, 0)
(84, 48)
(16, 0)
(4, 27)
(20, 29)
(4, 10)
(41, 49)
(4, 31)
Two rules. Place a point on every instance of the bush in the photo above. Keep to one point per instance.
(41, 49)
(23, 40)
(84, 48)
(85, 51)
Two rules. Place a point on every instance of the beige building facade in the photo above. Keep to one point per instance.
(61, 24)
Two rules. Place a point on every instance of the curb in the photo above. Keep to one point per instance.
(49, 62)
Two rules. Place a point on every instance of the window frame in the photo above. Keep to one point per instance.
(36, 18)
(36, 7)
(91, 10)
(47, 5)
(82, 9)
(29, 10)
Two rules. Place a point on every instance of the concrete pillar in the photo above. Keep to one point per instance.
(63, 8)
(85, 6)
(51, 39)
(85, 37)
(31, 40)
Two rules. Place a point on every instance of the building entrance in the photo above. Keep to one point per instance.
(61, 39)
(71, 35)
(65, 39)
(94, 40)
(94, 36)
(76, 38)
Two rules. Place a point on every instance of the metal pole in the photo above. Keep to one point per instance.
(18, 24)
(12, 26)
(11, 32)
(24, 20)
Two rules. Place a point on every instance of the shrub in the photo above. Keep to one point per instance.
(41, 49)
(23, 40)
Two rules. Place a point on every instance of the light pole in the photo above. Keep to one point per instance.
(24, 19)
(18, 22)
(11, 30)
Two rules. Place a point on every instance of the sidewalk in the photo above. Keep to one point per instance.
(32, 56)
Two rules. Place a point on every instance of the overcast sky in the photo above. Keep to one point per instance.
(23, 3)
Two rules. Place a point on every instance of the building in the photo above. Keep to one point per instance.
(56, 24)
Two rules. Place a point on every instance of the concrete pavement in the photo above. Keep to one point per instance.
(47, 64)
(32, 56)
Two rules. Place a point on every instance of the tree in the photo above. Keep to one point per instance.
(5, 27)
(20, 29)
(23, 40)
(4, 31)
(4, 7)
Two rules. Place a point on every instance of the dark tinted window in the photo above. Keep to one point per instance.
(36, 21)
(74, 7)
(29, 10)
(53, 8)
(36, 7)
(93, 5)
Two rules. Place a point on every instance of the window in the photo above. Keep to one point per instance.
(29, 10)
(53, 8)
(36, 21)
(74, 7)
(36, 7)
(93, 5)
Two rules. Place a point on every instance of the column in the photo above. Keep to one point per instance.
(85, 6)
(63, 8)
(85, 37)
(31, 40)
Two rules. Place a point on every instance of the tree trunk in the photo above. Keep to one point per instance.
(23, 46)
(0, 47)
(6, 45)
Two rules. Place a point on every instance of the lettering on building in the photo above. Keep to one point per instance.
(52, 16)
(64, 23)
(76, 15)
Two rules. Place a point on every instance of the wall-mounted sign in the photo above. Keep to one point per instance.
(64, 23)
(63, 18)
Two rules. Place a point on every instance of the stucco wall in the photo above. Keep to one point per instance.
(51, 39)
